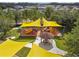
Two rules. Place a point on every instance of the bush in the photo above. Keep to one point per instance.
(14, 33)
(1, 34)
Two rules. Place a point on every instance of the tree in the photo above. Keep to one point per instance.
(5, 23)
(32, 14)
(17, 15)
(48, 12)
(72, 40)
(66, 18)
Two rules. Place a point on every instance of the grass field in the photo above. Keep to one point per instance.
(61, 44)
(23, 52)
(27, 39)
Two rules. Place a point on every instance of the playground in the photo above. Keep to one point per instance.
(27, 44)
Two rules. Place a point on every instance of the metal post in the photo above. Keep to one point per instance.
(41, 23)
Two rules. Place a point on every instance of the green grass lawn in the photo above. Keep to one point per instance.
(30, 39)
(61, 44)
(23, 52)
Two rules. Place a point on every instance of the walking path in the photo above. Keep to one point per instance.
(53, 48)
(56, 50)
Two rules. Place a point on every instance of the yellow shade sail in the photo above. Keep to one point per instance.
(34, 23)
(37, 51)
(50, 23)
(9, 48)
(38, 24)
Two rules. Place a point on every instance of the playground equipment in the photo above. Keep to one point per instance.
(25, 31)
(9, 48)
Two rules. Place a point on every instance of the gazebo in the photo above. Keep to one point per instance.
(30, 29)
